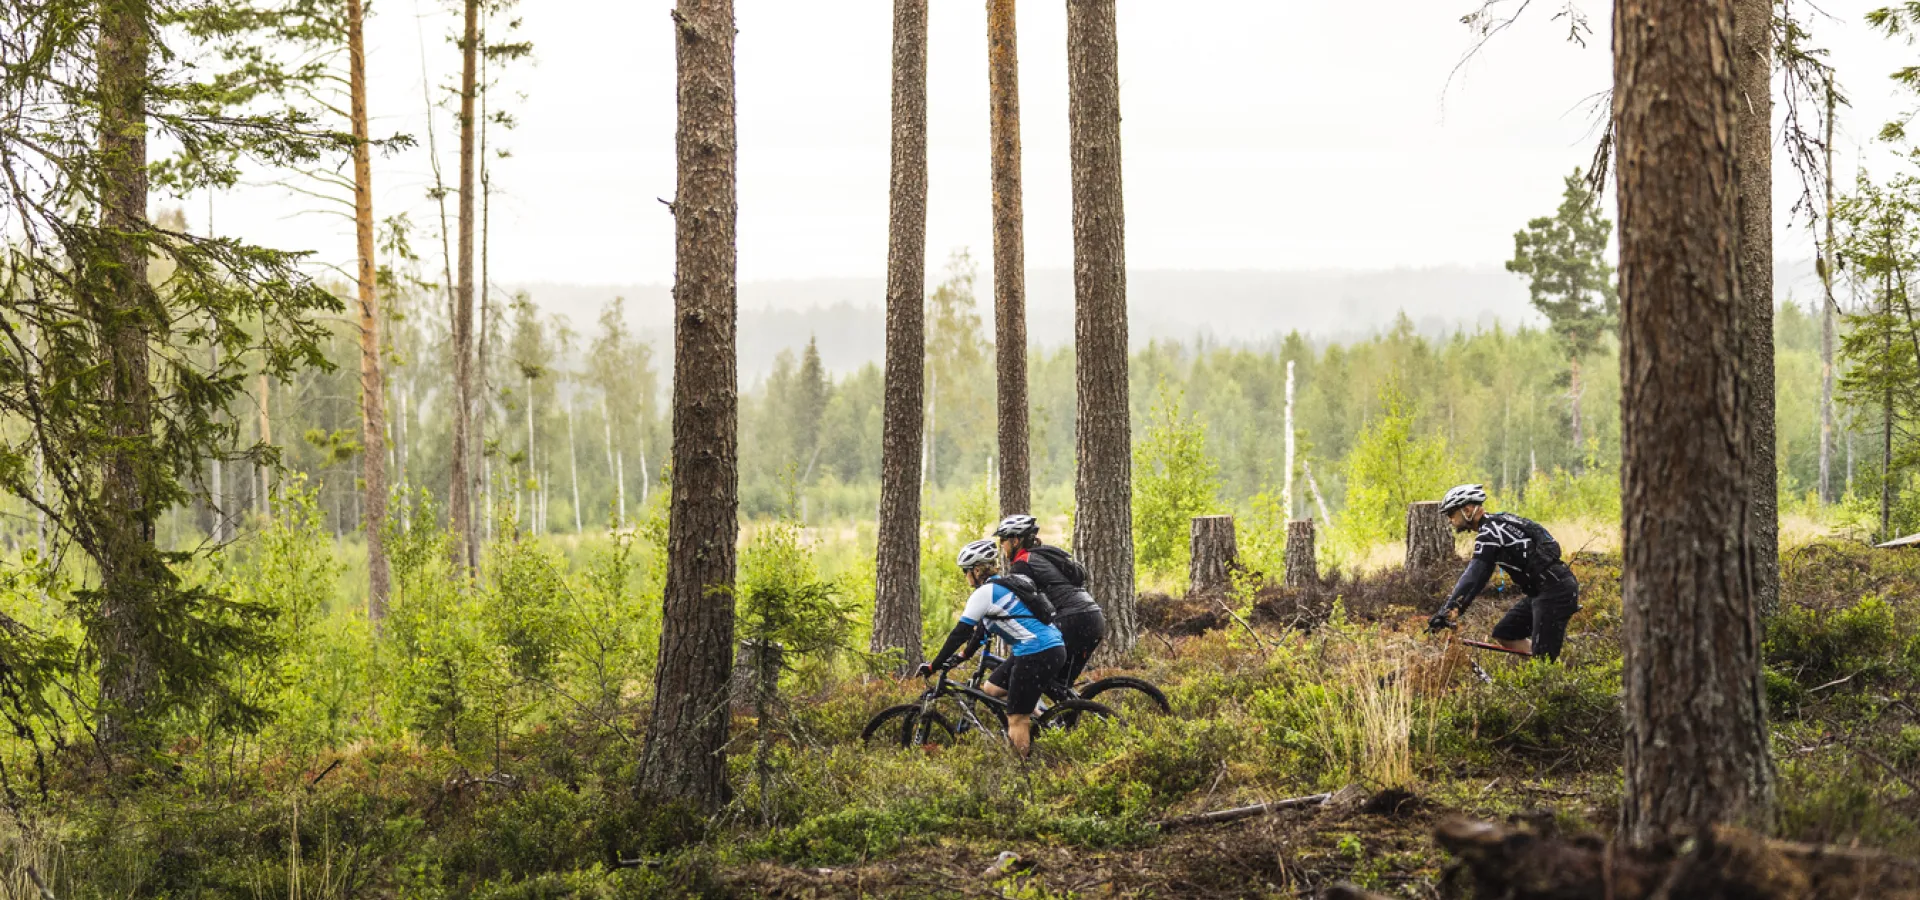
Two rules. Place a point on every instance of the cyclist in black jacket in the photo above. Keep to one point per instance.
(1080, 620)
(1530, 557)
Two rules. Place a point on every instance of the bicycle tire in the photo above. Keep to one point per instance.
(900, 726)
(1127, 683)
(1066, 716)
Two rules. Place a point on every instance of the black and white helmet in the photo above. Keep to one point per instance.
(1018, 526)
(977, 554)
(1464, 495)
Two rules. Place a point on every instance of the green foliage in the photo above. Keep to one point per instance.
(1814, 647)
(1878, 246)
(1174, 480)
(1392, 466)
(1565, 258)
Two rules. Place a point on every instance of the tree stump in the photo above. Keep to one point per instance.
(1429, 536)
(1302, 567)
(1215, 553)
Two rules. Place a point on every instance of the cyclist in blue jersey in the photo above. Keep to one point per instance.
(1038, 650)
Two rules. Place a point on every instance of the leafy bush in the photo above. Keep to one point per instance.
(1174, 480)
(1539, 709)
(1389, 468)
(1818, 646)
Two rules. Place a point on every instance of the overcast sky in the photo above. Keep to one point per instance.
(1259, 134)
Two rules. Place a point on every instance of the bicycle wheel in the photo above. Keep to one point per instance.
(1128, 696)
(1068, 715)
(902, 726)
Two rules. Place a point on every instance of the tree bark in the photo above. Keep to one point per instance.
(1827, 310)
(1573, 407)
(1215, 555)
(896, 614)
(1009, 257)
(1697, 755)
(373, 407)
(1429, 537)
(1753, 77)
(573, 466)
(1103, 478)
(123, 533)
(1286, 491)
(264, 499)
(1303, 567)
(460, 494)
(687, 731)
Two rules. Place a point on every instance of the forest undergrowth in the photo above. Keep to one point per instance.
(486, 744)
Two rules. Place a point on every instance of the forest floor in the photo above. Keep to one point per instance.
(1281, 694)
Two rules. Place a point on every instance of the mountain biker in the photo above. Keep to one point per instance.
(1038, 650)
(1082, 624)
(1530, 557)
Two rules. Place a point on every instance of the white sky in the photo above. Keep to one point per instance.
(1259, 134)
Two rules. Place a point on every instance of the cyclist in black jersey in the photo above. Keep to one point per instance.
(1530, 557)
(1080, 620)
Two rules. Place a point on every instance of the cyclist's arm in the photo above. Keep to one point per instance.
(1472, 582)
(979, 605)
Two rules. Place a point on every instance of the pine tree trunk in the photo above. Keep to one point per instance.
(460, 495)
(373, 410)
(896, 614)
(1827, 309)
(217, 481)
(1429, 537)
(1753, 82)
(1303, 567)
(263, 500)
(1696, 749)
(1573, 406)
(122, 527)
(687, 731)
(1103, 478)
(1215, 555)
(1009, 257)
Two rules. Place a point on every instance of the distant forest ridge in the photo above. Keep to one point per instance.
(1247, 308)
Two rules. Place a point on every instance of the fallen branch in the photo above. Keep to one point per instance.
(1257, 642)
(1244, 812)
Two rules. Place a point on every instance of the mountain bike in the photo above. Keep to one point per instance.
(948, 709)
(1124, 694)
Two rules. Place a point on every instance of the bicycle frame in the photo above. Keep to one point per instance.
(962, 691)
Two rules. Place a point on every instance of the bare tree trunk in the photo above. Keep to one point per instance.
(1696, 755)
(533, 509)
(1319, 502)
(896, 614)
(217, 479)
(1827, 309)
(460, 496)
(1215, 555)
(122, 529)
(1429, 537)
(373, 411)
(1103, 480)
(1303, 567)
(1753, 82)
(1286, 492)
(687, 731)
(1009, 257)
(263, 499)
(1573, 405)
(573, 465)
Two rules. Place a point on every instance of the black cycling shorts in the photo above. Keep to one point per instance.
(1542, 618)
(1083, 633)
(1025, 678)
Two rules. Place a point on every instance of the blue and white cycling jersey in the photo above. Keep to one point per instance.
(1007, 617)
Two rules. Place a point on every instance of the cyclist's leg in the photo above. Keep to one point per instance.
(1515, 629)
(1083, 634)
(1028, 677)
(1552, 611)
(996, 685)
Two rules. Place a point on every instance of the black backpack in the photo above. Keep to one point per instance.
(1542, 550)
(1029, 593)
(1070, 568)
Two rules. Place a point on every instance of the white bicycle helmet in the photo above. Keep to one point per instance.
(977, 554)
(1017, 526)
(1463, 495)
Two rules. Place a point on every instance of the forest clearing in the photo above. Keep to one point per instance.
(1399, 533)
